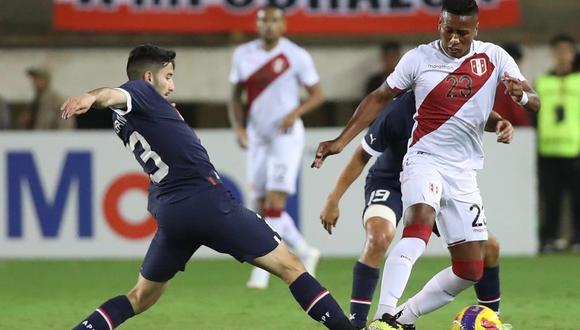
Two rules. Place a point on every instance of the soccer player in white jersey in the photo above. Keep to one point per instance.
(454, 80)
(270, 71)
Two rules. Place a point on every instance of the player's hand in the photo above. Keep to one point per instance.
(504, 131)
(77, 105)
(325, 149)
(329, 215)
(514, 87)
(242, 137)
(288, 121)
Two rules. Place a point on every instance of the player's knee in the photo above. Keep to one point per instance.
(491, 252)
(470, 270)
(379, 237)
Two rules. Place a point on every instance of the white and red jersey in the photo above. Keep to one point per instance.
(454, 97)
(272, 80)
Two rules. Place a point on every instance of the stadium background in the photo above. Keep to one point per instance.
(80, 220)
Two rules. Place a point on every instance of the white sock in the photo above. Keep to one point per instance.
(291, 235)
(396, 273)
(439, 291)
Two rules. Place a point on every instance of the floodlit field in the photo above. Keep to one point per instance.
(537, 293)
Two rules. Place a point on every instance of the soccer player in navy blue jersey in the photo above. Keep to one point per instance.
(387, 139)
(186, 197)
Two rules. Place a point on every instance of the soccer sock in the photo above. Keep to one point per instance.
(318, 303)
(109, 315)
(487, 289)
(399, 265)
(364, 282)
(439, 291)
(292, 235)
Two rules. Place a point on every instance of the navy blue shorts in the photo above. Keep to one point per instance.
(385, 192)
(212, 218)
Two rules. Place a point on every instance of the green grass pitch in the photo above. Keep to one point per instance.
(537, 293)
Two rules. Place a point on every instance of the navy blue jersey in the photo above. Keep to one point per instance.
(388, 136)
(164, 145)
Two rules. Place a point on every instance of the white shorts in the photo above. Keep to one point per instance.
(453, 193)
(273, 162)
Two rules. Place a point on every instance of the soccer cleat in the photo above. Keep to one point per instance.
(259, 279)
(507, 326)
(389, 322)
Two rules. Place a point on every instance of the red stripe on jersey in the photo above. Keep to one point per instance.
(445, 100)
(264, 76)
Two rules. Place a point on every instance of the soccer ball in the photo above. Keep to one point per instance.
(476, 317)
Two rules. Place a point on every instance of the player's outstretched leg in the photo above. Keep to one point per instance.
(488, 289)
(118, 309)
(365, 274)
(316, 301)
(466, 270)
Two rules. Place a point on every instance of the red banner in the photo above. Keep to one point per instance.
(322, 17)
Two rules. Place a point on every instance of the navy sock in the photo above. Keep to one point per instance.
(487, 289)
(364, 283)
(318, 303)
(109, 315)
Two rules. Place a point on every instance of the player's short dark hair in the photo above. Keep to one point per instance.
(389, 46)
(271, 5)
(514, 50)
(562, 37)
(145, 58)
(460, 7)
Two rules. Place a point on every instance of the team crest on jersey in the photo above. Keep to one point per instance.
(479, 66)
(278, 65)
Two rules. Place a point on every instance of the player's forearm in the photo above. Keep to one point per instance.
(365, 113)
(108, 97)
(236, 108)
(349, 174)
(534, 103)
(314, 100)
(236, 114)
(491, 124)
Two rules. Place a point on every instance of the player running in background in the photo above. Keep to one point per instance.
(454, 80)
(387, 140)
(271, 70)
(186, 197)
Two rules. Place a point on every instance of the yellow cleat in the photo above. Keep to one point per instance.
(382, 325)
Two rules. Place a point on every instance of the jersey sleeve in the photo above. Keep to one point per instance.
(506, 64)
(405, 72)
(235, 74)
(137, 92)
(375, 140)
(307, 73)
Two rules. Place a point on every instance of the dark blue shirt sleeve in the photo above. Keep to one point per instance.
(374, 141)
(139, 94)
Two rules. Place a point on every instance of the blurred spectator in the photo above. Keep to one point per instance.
(504, 105)
(44, 111)
(559, 144)
(5, 115)
(390, 55)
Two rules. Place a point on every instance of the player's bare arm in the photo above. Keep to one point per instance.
(237, 115)
(314, 100)
(98, 98)
(501, 127)
(522, 92)
(352, 170)
(365, 113)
